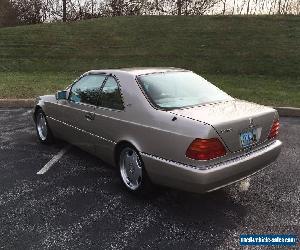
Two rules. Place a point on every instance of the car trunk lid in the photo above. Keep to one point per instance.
(232, 119)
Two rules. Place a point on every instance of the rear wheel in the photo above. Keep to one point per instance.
(132, 171)
(43, 132)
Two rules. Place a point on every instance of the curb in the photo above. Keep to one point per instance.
(288, 111)
(16, 103)
(29, 103)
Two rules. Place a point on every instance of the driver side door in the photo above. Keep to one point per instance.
(78, 112)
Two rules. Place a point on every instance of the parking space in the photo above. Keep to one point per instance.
(80, 203)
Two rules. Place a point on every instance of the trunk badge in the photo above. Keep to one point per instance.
(226, 130)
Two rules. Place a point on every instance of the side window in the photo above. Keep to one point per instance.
(110, 95)
(87, 89)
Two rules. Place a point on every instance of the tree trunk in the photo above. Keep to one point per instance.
(179, 7)
(93, 8)
(279, 7)
(224, 7)
(248, 7)
(64, 10)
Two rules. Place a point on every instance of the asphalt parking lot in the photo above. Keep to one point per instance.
(80, 203)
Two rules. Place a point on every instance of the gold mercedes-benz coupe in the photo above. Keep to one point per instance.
(163, 126)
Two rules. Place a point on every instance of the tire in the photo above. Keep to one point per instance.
(42, 128)
(132, 171)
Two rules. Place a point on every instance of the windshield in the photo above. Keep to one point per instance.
(171, 90)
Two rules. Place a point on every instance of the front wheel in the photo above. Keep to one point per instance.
(132, 172)
(43, 131)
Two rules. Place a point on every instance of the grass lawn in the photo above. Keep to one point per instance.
(29, 85)
(254, 58)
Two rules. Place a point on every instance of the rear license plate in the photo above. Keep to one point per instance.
(248, 138)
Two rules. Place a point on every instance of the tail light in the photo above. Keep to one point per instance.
(205, 149)
(274, 130)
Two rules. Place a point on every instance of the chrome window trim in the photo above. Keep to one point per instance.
(109, 109)
(83, 104)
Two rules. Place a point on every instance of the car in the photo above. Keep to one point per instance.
(162, 127)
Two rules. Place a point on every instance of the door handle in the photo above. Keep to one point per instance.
(90, 116)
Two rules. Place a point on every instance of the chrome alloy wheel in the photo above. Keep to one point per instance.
(41, 125)
(131, 168)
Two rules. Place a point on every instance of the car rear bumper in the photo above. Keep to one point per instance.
(193, 179)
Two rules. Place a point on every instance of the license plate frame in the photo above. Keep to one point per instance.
(248, 138)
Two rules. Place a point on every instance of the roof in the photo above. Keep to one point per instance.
(139, 70)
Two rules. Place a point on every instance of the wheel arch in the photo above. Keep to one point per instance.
(120, 145)
(36, 108)
(39, 105)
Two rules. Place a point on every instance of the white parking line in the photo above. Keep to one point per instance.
(54, 160)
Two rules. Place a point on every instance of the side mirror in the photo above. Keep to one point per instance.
(61, 95)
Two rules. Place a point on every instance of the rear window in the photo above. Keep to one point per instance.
(170, 90)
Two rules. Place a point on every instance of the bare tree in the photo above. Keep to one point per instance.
(28, 11)
(36, 11)
(131, 7)
(191, 7)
